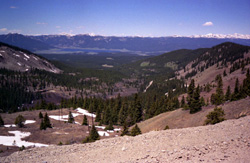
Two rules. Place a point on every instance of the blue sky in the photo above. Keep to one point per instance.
(125, 17)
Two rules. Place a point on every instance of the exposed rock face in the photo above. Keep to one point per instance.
(228, 141)
(18, 60)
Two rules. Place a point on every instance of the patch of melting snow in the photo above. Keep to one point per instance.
(19, 64)
(26, 69)
(148, 86)
(16, 140)
(25, 59)
(35, 58)
(0, 54)
(102, 127)
(2, 51)
(85, 112)
(108, 66)
(65, 117)
(103, 133)
(26, 122)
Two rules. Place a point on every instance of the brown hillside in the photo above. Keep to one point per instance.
(182, 119)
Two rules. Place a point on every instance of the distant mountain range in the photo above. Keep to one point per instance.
(147, 45)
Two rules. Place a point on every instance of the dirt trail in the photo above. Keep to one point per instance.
(228, 141)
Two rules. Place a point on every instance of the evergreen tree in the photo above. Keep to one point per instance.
(135, 130)
(71, 118)
(236, 93)
(228, 94)
(125, 129)
(219, 90)
(203, 103)
(110, 126)
(40, 115)
(137, 109)
(42, 125)
(183, 103)
(196, 103)
(123, 113)
(94, 134)
(85, 121)
(246, 83)
(20, 121)
(190, 92)
(47, 121)
(1, 121)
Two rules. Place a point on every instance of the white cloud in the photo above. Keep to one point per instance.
(208, 24)
(3, 29)
(41, 23)
(13, 7)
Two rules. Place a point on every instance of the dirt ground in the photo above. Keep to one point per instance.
(228, 141)
(61, 132)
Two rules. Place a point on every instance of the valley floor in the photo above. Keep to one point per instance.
(228, 141)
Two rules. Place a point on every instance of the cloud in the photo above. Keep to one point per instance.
(41, 23)
(13, 7)
(208, 24)
(3, 29)
(58, 26)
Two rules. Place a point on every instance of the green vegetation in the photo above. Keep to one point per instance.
(45, 122)
(40, 115)
(85, 121)
(71, 118)
(93, 135)
(135, 131)
(218, 97)
(1, 121)
(20, 121)
(216, 116)
(194, 102)
(166, 128)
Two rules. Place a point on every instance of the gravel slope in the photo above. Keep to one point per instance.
(228, 141)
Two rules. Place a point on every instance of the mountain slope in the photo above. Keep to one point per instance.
(17, 59)
(24, 42)
(227, 141)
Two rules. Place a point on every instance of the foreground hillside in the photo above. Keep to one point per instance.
(228, 141)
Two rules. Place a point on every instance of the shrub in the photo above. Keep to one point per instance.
(215, 116)
(20, 121)
(166, 128)
(135, 131)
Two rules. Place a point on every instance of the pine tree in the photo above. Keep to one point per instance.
(125, 129)
(42, 125)
(228, 94)
(196, 103)
(135, 131)
(40, 115)
(110, 126)
(85, 121)
(20, 121)
(246, 83)
(137, 109)
(123, 113)
(219, 96)
(1, 121)
(236, 93)
(94, 134)
(71, 118)
(190, 92)
(47, 121)
(183, 103)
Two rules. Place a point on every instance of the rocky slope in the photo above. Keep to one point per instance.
(228, 141)
(17, 59)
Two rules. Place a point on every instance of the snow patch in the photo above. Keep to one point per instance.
(103, 133)
(85, 112)
(35, 58)
(108, 66)
(16, 140)
(101, 127)
(19, 64)
(148, 86)
(29, 122)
